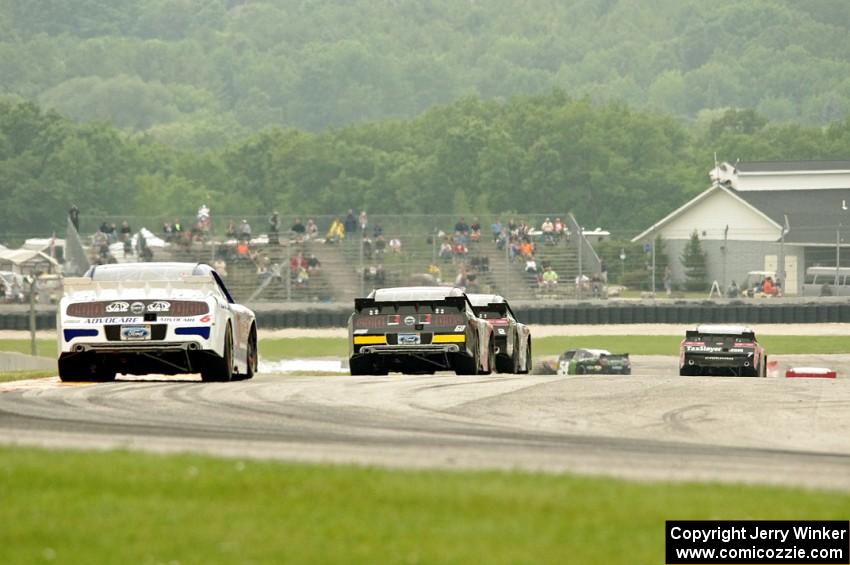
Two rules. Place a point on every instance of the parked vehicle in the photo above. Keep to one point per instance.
(820, 281)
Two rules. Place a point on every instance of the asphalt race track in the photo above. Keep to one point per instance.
(651, 425)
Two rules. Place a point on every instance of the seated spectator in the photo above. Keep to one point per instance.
(550, 278)
(367, 246)
(302, 277)
(231, 229)
(475, 230)
(336, 232)
(557, 229)
(298, 228)
(548, 229)
(526, 248)
(461, 226)
(530, 265)
(768, 287)
(434, 271)
(395, 245)
(446, 251)
(732, 291)
(459, 250)
(380, 245)
(313, 263)
(377, 231)
(311, 230)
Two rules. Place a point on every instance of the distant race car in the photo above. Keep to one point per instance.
(165, 318)
(722, 351)
(418, 330)
(593, 362)
(512, 338)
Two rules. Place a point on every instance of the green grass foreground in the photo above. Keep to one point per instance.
(309, 347)
(20, 375)
(118, 507)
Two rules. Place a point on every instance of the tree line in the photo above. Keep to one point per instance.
(611, 165)
(201, 73)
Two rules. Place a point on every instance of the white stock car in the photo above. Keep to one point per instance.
(163, 318)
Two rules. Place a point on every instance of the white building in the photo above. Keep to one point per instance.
(742, 216)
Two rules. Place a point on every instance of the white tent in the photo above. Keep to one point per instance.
(26, 261)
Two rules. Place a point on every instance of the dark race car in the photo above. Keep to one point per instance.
(512, 338)
(722, 351)
(593, 362)
(418, 330)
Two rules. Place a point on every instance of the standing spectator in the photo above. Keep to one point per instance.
(496, 229)
(74, 216)
(668, 280)
(732, 291)
(350, 224)
(274, 228)
(367, 246)
(363, 221)
(177, 228)
(231, 229)
(557, 229)
(168, 231)
(244, 230)
(548, 229)
(125, 231)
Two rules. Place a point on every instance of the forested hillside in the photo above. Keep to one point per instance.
(612, 166)
(201, 73)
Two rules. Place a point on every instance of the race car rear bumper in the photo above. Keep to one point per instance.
(409, 349)
(718, 360)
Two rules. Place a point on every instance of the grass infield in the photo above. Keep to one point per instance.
(282, 348)
(119, 507)
(311, 347)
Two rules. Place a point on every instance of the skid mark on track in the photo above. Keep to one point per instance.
(679, 420)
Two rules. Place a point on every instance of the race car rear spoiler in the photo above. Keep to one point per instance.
(458, 302)
(72, 285)
(695, 334)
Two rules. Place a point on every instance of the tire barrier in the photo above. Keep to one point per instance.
(613, 312)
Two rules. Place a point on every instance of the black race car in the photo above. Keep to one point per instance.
(418, 330)
(513, 338)
(730, 351)
(593, 362)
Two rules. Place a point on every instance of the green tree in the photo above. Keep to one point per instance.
(693, 260)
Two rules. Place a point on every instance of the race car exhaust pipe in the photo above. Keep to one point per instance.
(193, 346)
(79, 348)
(746, 363)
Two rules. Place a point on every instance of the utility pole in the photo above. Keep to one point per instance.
(837, 256)
(653, 268)
(508, 266)
(580, 270)
(33, 346)
(725, 251)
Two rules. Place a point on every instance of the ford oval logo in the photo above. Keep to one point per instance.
(137, 308)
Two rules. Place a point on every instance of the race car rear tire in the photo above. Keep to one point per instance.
(528, 361)
(491, 360)
(251, 359)
(220, 369)
(84, 369)
(464, 365)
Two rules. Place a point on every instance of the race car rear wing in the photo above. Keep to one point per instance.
(458, 302)
(743, 336)
(76, 285)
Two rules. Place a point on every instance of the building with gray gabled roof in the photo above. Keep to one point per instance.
(759, 215)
